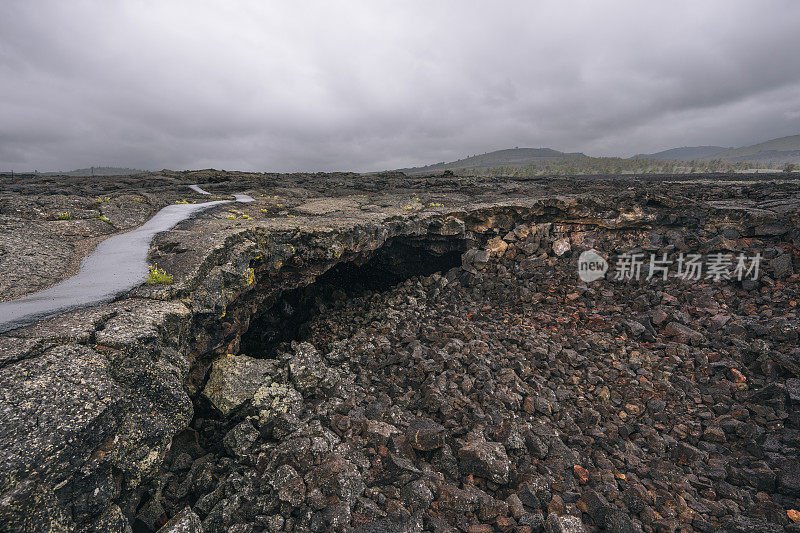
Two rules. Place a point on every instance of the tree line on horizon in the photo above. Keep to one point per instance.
(573, 165)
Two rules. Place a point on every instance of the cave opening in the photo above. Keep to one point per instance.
(398, 260)
(286, 319)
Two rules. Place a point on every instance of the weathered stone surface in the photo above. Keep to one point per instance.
(789, 477)
(31, 507)
(234, 380)
(276, 399)
(563, 524)
(378, 432)
(240, 440)
(140, 321)
(485, 459)
(683, 334)
(340, 478)
(561, 246)
(425, 434)
(289, 485)
(743, 524)
(685, 453)
(308, 371)
(455, 499)
(782, 266)
(184, 522)
(793, 390)
(41, 410)
(497, 247)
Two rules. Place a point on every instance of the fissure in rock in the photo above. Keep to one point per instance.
(286, 319)
(398, 260)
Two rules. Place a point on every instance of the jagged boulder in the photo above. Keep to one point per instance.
(234, 379)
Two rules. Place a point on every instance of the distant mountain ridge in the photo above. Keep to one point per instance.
(685, 153)
(97, 171)
(781, 150)
(509, 157)
(773, 152)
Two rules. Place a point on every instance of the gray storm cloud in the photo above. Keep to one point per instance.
(374, 85)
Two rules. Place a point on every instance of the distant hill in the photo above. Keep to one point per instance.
(97, 171)
(686, 153)
(777, 151)
(512, 157)
(773, 153)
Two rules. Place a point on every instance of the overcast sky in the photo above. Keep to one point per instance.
(285, 86)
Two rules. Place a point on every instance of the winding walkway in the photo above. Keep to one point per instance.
(117, 265)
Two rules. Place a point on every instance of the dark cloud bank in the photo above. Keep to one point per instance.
(373, 85)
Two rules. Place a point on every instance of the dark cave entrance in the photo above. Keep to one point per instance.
(286, 319)
(396, 261)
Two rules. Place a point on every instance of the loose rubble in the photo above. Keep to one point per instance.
(506, 395)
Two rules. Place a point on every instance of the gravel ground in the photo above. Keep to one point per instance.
(506, 395)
